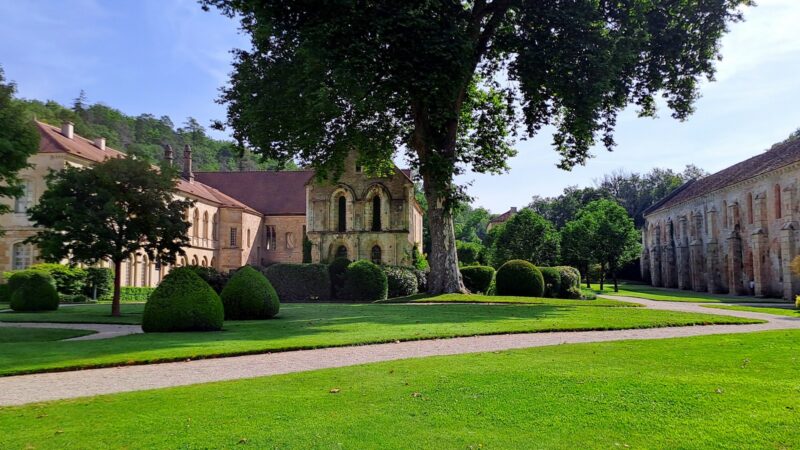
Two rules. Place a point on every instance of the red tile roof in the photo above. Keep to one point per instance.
(778, 156)
(504, 217)
(276, 193)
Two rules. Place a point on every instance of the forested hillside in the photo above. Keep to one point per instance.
(145, 134)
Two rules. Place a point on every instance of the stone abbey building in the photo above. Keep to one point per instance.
(733, 232)
(256, 217)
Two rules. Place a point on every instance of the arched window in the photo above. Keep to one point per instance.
(21, 255)
(725, 214)
(778, 204)
(196, 223)
(205, 225)
(376, 213)
(194, 260)
(205, 262)
(375, 255)
(341, 252)
(214, 227)
(342, 224)
(248, 237)
(750, 208)
(211, 263)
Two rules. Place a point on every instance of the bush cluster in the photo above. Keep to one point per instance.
(478, 279)
(365, 282)
(470, 253)
(401, 281)
(299, 282)
(521, 278)
(69, 280)
(33, 290)
(570, 282)
(249, 295)
(216, 279)
(183, 302)
(337, 270)
(552, 281)
(135, 294)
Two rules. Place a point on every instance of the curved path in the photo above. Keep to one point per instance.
(22, 389)
(101, 330)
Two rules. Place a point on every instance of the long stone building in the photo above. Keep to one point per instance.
(733, 232)
(256, 217)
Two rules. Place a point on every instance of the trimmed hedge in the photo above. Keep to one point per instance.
(401, 281)
(478, 278)
(337, 271)
(366, 282)
(570, 282)
(183, 302)
(521, 278)
(69, 280)
(249, 295)
(19, 278)
(36, 293)
(132, 294)
(216, 279)
(552, 281)
(299, 282)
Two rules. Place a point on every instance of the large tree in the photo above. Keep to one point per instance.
(18, 141)
(451, 81)
(615, 241)
(527, 236)
(109, 212)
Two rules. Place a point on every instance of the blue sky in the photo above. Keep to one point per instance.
(168, 57)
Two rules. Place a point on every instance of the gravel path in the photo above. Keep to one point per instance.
(101, 330)
(18, 390)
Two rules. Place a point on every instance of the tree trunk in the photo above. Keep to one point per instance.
(115, 303)
(602, 278)
(445, 276)
(616, 285)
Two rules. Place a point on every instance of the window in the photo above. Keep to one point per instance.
(196, 224)
(342, 214)
(25, 200)
(22, 256)
(750, 208)
(341, 252)
(725, 214)
(205, 225)
(194, 261)
(214, 227)
(375, 255)
(248, 237)
(290, 240)
(778, 205)
(233, 236)
(271, 237)
(376, 213)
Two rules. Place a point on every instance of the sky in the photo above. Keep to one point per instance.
(168, 57)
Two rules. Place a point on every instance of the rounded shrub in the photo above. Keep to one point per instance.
(216, 279)
(365, 281)
(552, 281)
(36, 293)
(337, 270)
(17, 279)
(570, 282)
(518, 277)
(401, 281)
(249, 295)
(478, 278)
(183, 302)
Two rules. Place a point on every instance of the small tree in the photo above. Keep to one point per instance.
(615, 239)
(526, 236)
(111, 211)
(577, 244)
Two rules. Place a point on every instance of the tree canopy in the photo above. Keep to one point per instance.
(526, 236)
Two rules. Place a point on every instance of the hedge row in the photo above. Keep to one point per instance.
(299, 282)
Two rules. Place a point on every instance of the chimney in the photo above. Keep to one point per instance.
(187, 163)
(100, 143)
(67, 129)
(168, 156)
(513, 209)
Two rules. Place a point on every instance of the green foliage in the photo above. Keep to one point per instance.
(418, 259)
(183, 302)
(563, 208)
(365, 281)
(216, 279)
(18, 278)
(337, 270)
(5, 293)
(135, 294)
(570, 282)
(470, 253)
(526, 236)
(36, 293)
(70, 280)
(74, 298)
(478, 279)
(552, 281)
(99, 281)
(470, 223)
(518, 277)
(19, 139)
(401, 281)
(612, 237)
(299, 282)
(249, 295)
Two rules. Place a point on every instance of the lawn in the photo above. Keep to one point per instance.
(94, 313)
(673, 295)
(18, 335)
(793, 312)
(461, 298)
(724, 391)
(300, 326)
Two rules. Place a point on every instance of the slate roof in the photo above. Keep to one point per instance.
(778, 156)
(276, 193)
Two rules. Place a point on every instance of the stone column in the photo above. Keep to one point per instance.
(670, 275)
(712, 253)
(760, 263)
(655, 258)
(684, 278)
(791, 282)
(736, 284)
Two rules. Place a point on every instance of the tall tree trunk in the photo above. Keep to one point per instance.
(445, 276)
(616, 285)
(115, 302)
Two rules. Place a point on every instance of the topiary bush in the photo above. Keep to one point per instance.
(401, 281)
(249, 295)
(36, 293)
(299, 282)
(518, 277)
(365, 282)
(337, 271)
(478, 278)
(552, 281)
(570, 282)
(99, 283)
(17, 279)
(69, 280)
(183, 302)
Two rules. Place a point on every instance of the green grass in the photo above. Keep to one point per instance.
(17, 335)
(94, 313)
(461, 298)
(725, 391)
(647, 292)
(300, 326)
(793, 312)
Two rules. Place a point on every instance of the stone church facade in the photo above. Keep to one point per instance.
(256, 217)
(733, 232)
